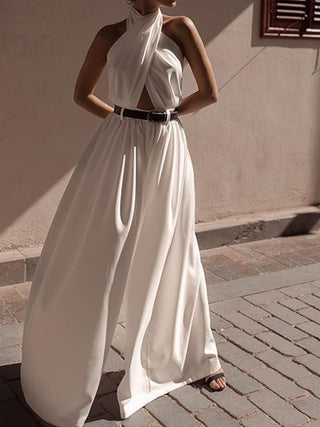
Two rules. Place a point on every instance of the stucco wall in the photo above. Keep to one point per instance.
(257, 149)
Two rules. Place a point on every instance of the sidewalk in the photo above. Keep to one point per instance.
(264, 299)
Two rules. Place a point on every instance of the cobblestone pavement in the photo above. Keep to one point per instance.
(264, 300)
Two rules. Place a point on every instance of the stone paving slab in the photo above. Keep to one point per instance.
(265, 320)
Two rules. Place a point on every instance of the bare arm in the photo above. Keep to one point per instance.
(197, 57)
(89, 75)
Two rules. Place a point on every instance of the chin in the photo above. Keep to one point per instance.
(170, 3)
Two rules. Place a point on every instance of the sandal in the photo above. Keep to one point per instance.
(215, 377)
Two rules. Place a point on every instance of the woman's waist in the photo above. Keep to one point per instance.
(157, 115)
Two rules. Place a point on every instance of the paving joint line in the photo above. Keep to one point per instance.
(224, 409)
(261, 292)
(180, 404)
(263, 385)
(193, 413)
(154, 416)
(270, 330)
(290, 402)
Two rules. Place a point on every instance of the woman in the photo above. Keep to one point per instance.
(124, 231)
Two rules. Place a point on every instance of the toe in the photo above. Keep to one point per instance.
(213, 384)
(219, 383)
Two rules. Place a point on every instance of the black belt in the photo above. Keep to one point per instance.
(152, 115)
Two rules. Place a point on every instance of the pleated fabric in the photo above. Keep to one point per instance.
(124, 230)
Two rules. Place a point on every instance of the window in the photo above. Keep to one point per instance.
(291, 19)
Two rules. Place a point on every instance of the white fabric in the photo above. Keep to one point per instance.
(124, 230)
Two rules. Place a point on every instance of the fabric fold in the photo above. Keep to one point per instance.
(134, 52)
(123, 233)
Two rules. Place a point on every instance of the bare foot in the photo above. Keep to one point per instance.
(219, 383)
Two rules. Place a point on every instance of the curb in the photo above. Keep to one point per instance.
(258, 226)
(18, 265)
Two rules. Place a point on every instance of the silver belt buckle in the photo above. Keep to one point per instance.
(149, 116)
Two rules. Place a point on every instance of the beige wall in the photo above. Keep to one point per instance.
(257, 149)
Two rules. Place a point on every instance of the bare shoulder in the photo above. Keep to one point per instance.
(180, 22)
(109, 33)
(182, 29)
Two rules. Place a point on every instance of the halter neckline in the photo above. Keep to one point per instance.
(137, 60)
(139, 14)
(150, 22)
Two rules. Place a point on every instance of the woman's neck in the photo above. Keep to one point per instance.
(144, 9)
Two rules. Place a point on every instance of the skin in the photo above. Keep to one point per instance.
(184, 32)
(181, 29)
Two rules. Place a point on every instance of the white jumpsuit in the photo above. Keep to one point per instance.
(124, 228)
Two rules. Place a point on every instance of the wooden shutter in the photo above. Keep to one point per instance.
(315, 23)
(291, 18)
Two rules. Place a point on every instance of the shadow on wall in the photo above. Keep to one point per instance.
(43, 131)
(315, 112)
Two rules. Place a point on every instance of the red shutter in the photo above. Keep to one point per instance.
(291, 18)
(315, 23)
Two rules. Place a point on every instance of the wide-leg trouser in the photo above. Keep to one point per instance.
(124, 229)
